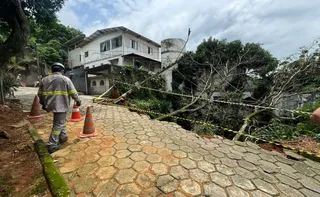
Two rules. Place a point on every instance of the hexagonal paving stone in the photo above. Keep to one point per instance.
(106, 172)
(234, 156)
(125, 176)
(244, 173)
(87, 169)
(178, 194)
(186, 149)
(154, 158)
(234, 191)
(286, 168)
(309, 193)
(201, 151)
(107, 144)
(90, 158)
(188, 163)
(93, 149)
(149, 149)
(121, 146)
(267, 177)
(142, 137)
(154, 139)
(106, 188)
(259, 193)
(138, 156)
(123, 163)
(160, 168)
(170, 160)
(164, 151)
(146, 180)
(212, 159)
(79, 147)
(179, 154)
(158, 144)
(152, 192)
(199, 175)
(224, 169)
(132, 141)
(220, 179)
(141, 166)
(267, 157)
(167, 184)
(243, 183)
(93, 142)
(107, 161)
(264, 186)
(206, 166)
(217, 154)
(69, 167)
(310, 184)
(61, 153)
(214, 190)
(135, 148)
(288, 181)
(195, 156)
(229, 162)
(289, 191)
(247, 165)
(191, 187)
(304, 169)
(131, 136)
(172, 146)
(128, 190)
(179, 172)
(84, 184)
(269, 167)
(122, 153)
(107, 151)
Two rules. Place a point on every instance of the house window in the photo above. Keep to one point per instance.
(150, 50)
(134, 44)
(86, 54)
(116, 42)
(105, 46)
(102, 83)
(94, 83)
(80, 58)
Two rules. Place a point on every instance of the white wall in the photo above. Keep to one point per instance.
(142, 47)
(98, 89)
(95, 58)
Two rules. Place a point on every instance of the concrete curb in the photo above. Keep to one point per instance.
(56, 182)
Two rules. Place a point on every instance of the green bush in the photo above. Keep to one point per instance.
(276, 131)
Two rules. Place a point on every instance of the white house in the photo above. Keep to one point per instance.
(111, 46)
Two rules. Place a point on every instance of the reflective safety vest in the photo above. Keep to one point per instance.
(55, 91)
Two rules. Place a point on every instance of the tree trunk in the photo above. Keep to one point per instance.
(12, 13)
(246, 123)
(2, 96)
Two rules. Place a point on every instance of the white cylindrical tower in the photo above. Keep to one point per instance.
(171, 50)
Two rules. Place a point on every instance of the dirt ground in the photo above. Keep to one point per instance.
(21, 171)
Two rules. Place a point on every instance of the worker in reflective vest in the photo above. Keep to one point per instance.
(54, 93)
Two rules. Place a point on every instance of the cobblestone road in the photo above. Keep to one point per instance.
(136, 156)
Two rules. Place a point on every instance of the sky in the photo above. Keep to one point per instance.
(282, 26)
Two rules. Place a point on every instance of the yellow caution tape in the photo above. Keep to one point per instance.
(220, 101)
(301, 151)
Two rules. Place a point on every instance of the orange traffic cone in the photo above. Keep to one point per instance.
(88, 128)
(35, 109)
(75, 116)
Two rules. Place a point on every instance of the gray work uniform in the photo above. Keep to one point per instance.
(54, 94)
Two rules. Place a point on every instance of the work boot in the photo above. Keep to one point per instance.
(63, 140)
(52, 149)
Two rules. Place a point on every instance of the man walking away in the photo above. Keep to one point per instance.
(54, 93)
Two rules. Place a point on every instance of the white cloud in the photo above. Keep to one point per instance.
(282, 25)
(69, 18)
